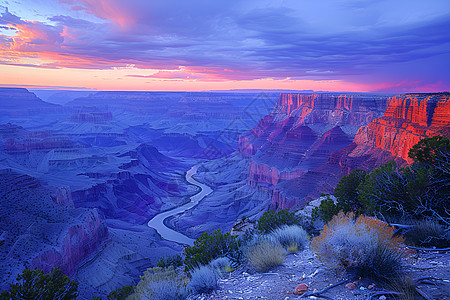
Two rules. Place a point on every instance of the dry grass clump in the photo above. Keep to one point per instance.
(382, 264)
(293, 238)
(405, 287)
(429, 233)
(160, 284)
(264, 254)
(362, 245)
(204, 280)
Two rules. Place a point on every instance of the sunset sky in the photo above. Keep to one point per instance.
(347, 45)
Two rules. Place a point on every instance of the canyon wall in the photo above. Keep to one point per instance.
(408, 119)
(77, 242)
(300, 134)
(294, 165)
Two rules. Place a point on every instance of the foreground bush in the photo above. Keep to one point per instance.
(428, 233)
(208, 247)
(204, 280)
(347, 192)
(160, 284)
(222, 265)
(346, 242)
(381, 264)
(326, 210)
(264, 254)
(414, 192)
(294, 238)
(35, 284)
(121, 293)
(165, 262)
(271, 220)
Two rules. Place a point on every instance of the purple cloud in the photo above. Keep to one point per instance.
(370, 41)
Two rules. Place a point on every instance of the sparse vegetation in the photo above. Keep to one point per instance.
(381, 264)
(204, 280)
(160, 284)
(208, 247)
(264, 253)
(174, 261)
(121, 293)
(222, 264)
(35, 284)
(326, 210)
(271, 220)
(428, 233)
(346, 241)
(291, 237)
(347, 193)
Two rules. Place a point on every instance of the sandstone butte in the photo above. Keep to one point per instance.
(408, 119)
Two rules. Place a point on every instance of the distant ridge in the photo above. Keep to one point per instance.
(21, 99)
(260, 91)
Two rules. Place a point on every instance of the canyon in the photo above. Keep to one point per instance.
(305, 145)
(81, 178)
(298, 172)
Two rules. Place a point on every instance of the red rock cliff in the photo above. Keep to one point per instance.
(408, 119)
(300, 134)
(78, 242)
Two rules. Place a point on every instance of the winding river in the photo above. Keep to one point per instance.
(157, 222)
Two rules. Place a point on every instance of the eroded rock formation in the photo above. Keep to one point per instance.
(78, 241)
(408, 119)
(299, 136)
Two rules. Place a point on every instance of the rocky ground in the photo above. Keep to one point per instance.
(304, 268)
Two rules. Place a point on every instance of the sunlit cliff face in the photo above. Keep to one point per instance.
(342, 45)
(407, 120)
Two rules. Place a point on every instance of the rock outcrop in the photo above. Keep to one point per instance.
(78, 242)
(408, 119)
(299, 136)
(64, 196)
(305, 145)
(40, 233)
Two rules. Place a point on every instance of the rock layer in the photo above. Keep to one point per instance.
(408, 119)
(300, 134)
(79, 241)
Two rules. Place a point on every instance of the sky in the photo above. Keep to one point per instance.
(322, 45)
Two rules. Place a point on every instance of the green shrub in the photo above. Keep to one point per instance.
(208, 247)
(428, 233)
(264, 253)
(291, 237)
(204, 280)
(35, 284)
(174, 261)
(347, 192)
(417, 191)
(271, 220)
(326, 210)
(160, 284)
(434, 150)
(121, 293)
(394, 191)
